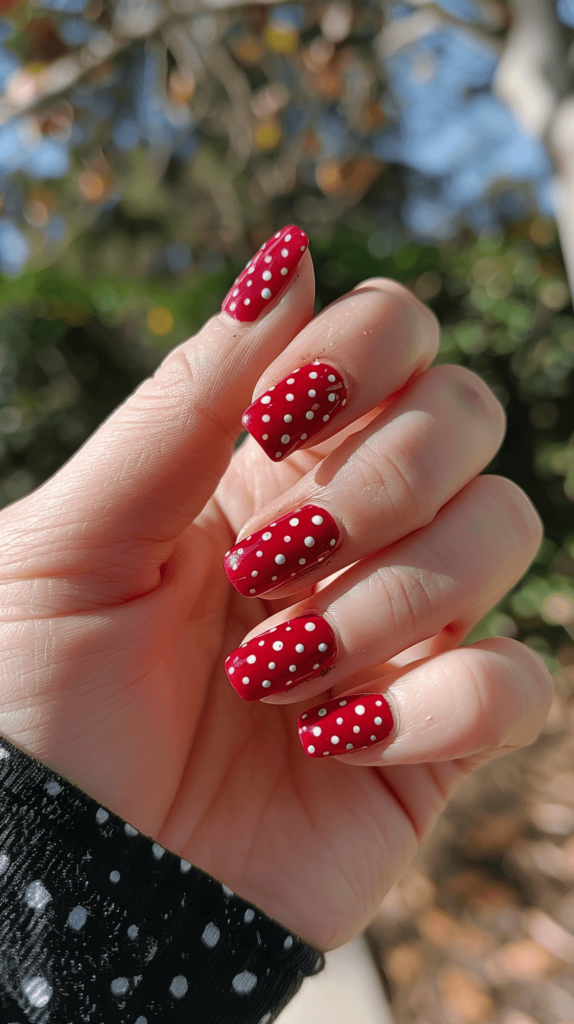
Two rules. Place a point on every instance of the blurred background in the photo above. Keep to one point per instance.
(147, 148)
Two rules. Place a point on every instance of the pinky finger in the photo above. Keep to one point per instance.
(476, 701)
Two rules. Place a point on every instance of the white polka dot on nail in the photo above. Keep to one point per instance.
(253, 591)
(302, 561)
(266, 418)
(322, 647)
(266, 399)
(233, 306)
(236, 293)
(342, 703)
(335, 739)
(310, 627)
(373, 738)
(288, 238)
(322, 712)
(259, 554)
(292, 668)
(266, 275)
(266, 684)
(339, 721)
(294, 522)
(317, 520)
(266, 536)
(311, 748)
(360, 709)
(378, 721)
(266, 294)
(312, 393)
(268, 259)
(290, 397)
(291, 380)
(245, 680)
(287, 417)
(332, 397)
(247, 302)
(251, 659)
(261, 643)
(280, 559)
(299, 648)
(278, 645)
(356, 728)
(379, 703)
(284, 271)
(309, 542)
(309, 415)
(272, 665)
(332, 542)
(331, 378)
(325, 418)
(317, 665)
(284, 253)
(313, 375)
(285, 438)
(265, 437)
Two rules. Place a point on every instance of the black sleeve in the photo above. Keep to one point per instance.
(99, 924)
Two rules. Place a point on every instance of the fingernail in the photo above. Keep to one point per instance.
(282, 657)
(266, 275)
(346, 723)
(296, 409)
(282, 551)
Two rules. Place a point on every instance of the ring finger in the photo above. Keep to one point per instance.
(456, 567)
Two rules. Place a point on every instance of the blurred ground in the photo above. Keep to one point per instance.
(481, 928)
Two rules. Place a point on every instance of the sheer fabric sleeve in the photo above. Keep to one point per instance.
(99, 924)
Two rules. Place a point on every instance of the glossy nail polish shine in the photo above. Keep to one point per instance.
(344, 724)
(296, 409)
(285, 549)
(282, 657)
(266, 275)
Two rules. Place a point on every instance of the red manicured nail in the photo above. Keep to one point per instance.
(284, 656)
(296, 409)
(266, 275)
(346, 723)
(285, 549)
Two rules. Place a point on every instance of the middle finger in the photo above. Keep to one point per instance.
(382, 483)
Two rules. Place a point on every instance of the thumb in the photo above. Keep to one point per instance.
(148, 471)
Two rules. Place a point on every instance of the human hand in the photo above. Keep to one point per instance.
(117, 617)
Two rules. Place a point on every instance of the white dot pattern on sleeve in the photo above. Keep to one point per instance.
(104, 925)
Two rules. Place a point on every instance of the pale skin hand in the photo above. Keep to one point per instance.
(116, 614)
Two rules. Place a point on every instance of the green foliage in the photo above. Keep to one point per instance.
(78, 336)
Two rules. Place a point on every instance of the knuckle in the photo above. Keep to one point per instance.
(396, 483)
(420, 319)
(524, 526)
(409, 597)
(471, 394)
